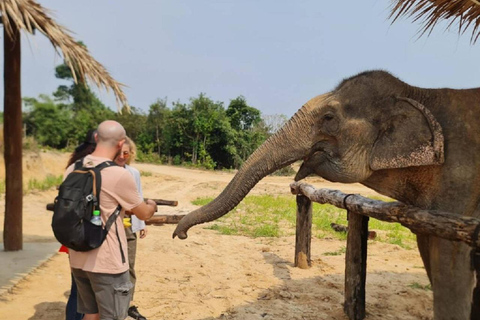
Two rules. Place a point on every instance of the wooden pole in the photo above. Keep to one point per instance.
(356, 267)
(432, 222)
(303, 236)
(12, 133)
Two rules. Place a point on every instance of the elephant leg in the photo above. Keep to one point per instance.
(475, 314)
(423, 243)
(452, 279)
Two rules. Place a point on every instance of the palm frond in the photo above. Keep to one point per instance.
(28, 15)
(430, 12)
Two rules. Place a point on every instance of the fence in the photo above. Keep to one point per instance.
(437, 223)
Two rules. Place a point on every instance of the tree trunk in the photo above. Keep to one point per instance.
(12, 132)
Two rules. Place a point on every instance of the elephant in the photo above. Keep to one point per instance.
(419, 146)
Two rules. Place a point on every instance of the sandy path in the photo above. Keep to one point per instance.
(210, 276)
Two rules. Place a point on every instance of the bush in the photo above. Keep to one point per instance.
(285, 171)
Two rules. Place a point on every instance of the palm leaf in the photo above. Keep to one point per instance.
(430, 12)
(28, 15)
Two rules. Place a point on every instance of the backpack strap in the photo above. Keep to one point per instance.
(110, 221)
(98, 181)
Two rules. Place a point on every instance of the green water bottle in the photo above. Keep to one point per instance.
(96, 220)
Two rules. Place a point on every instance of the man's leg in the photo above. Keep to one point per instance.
(112, 294)
(86, 302)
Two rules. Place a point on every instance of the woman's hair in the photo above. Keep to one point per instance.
(83, 150)
(133, 150)
(79, 154)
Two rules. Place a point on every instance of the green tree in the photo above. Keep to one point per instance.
(134, 122)
(249, 128)
(47, 121)
(158, 126)
(87, 110)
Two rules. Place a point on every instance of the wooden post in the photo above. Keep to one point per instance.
(303, 236)
(12, 133)
(356, 267)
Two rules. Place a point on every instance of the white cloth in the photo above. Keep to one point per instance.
(137, 224)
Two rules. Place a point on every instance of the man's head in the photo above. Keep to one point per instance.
(110, 138)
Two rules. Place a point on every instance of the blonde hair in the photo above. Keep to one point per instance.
(133, 150)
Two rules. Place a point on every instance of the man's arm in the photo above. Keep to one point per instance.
(145, 211)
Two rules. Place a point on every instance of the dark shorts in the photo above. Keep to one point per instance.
(107, 294)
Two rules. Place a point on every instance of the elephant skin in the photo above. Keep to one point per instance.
(419, 146)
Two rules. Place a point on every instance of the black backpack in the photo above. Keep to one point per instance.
(78, 197)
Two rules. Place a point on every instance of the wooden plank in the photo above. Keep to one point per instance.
(356, 267)
(303, 235)
(433, 222)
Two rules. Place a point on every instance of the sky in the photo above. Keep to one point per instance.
(276, 53)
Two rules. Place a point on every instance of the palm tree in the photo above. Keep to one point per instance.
(27, 16)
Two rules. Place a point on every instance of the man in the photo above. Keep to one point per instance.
(102, 274)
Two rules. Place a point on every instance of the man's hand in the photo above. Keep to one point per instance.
(145, 210)
(153, 204)
(143, 233)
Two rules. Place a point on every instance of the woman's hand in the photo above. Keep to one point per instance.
(143, 233)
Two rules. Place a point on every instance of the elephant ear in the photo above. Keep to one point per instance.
(410, 136)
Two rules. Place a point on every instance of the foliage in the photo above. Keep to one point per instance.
(200, 133)
(273, 216)
(47, 121)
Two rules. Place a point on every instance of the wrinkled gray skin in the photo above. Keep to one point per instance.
(419, 146)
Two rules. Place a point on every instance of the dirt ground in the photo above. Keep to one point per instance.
(213, 276)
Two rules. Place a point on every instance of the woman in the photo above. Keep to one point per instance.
(87, 147)
(124, 158)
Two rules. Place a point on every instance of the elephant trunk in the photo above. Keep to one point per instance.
(291, 143)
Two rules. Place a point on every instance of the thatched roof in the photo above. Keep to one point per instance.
(28, 15)
(464, 12)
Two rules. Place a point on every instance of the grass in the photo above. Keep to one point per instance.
(275, 216)
(339, 252)
(416, 285)
(49, 182)
(145, 173)
(45, 184)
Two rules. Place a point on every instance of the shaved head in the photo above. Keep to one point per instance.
(110, 133)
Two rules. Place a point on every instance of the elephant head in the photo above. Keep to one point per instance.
(368, 123)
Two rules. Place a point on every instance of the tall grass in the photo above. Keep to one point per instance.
(49, 182)
(275, 216)
(41, 185)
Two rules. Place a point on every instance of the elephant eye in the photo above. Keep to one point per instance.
(328, 117)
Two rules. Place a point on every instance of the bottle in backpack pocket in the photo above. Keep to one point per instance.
(96, 220)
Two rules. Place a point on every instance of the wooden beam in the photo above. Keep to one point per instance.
(432, 222)
(12, 133)
(303, 235)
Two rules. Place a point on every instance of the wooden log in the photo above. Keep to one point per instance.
(433, 222)
(12, 134)
(356, 267)
(303, 235)
(162, 202)
(157, 220)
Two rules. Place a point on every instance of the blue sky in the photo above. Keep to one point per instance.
(278, 54)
